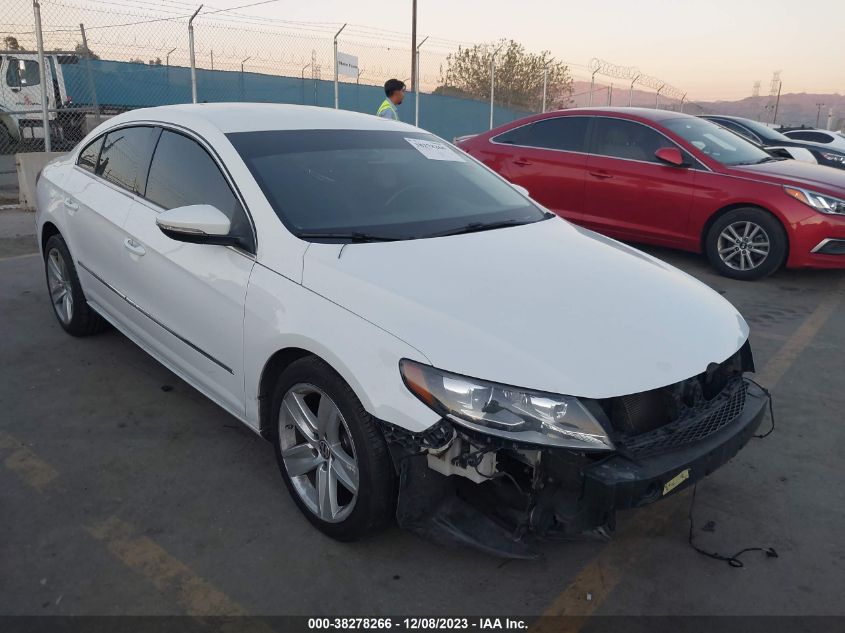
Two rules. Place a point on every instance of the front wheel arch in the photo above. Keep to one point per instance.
(732, 207)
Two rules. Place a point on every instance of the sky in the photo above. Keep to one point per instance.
(712, 49)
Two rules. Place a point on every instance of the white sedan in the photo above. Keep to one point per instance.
(416, 336)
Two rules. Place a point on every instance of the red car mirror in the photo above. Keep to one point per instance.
(670, 156)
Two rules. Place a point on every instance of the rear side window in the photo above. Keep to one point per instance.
(182, 173)
(567, 133)
(815, 137)
(125, 157)
(88, 156)
(626, 139)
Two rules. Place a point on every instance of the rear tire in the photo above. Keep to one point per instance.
(331, 453)
(69, 305)
(746, 244)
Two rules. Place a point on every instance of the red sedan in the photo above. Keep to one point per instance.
(671, 179)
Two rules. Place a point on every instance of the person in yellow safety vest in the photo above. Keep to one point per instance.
(395, 91)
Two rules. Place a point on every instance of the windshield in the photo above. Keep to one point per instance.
(717, 142)
(359, 184)
(763, 131)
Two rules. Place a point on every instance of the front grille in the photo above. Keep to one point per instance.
(695, 424)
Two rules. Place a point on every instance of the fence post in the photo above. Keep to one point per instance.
(592, 85)
(493, 83)
(43, 72)
(417, 84)
(631, 92)
(336, 93)
(91, 85)
(682, 101)
(545, 85)
(657, 99)
(193, 55)
(610, 94)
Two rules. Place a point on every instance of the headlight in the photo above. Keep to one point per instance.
(820, 202)
(520, 415)
(836, 158)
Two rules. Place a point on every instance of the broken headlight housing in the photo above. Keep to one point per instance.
(516, 414)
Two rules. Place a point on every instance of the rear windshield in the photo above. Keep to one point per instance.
(717, 142)
(401, 185)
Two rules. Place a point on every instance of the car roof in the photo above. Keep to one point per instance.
(650, 114)
(261, 117)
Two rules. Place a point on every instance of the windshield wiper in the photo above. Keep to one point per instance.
(477, 227)
(356, 237)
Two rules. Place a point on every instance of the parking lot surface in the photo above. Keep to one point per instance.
(125, 491)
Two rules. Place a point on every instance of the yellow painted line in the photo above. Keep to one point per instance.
(25, 464)
(604, 572)
(168, 574)
(12, 257)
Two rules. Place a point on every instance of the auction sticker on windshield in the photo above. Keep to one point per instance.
(434, 150)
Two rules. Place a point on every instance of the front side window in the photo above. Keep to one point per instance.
(88, 156)
(620, 138)
(125, 157)
(717, 142)
(21, 73)
(396, 185)
(182, 173)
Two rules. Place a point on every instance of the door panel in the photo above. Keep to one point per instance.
(630, 194)
(548, 158)
(190, 300)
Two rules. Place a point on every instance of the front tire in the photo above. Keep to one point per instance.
(332, 456)
(69, 305)
(746, 244)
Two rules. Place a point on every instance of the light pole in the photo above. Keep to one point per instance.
(416, 77)
(631, 92)
(336, 93)
(414, 47)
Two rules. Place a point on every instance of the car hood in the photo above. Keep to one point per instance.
(547, 306)
(826, 179)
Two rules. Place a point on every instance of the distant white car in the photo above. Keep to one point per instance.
(834, 140)
(417, 337)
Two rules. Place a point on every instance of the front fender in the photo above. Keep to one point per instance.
(282, 314)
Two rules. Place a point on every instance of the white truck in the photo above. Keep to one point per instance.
(21, 118)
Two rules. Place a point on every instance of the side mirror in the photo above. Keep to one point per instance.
(670, 156)
(196, 224)
(521, 190)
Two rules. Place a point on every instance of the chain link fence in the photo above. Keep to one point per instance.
(102, 57)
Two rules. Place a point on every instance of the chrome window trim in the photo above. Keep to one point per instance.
(173, 127)
(825, 242)
(153, 319)
(696, 167)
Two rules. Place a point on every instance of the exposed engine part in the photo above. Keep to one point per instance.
(458, 460)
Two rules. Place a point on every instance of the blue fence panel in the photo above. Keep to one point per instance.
(129, 85)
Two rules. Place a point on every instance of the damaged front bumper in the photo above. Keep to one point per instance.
(459, 487)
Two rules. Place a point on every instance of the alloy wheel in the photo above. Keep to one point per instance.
(318, 452)
(61, 292)
(743, 245)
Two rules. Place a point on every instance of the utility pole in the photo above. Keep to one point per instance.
(818, 113)
(414, 51)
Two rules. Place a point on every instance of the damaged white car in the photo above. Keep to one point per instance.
(417, 337)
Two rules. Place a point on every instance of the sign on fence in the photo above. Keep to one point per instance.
(347, 65)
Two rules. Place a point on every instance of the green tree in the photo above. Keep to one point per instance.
(10, 43)
(519, 75)
(85, 53)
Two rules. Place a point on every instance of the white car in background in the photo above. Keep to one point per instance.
(834, 140)
(416, 337)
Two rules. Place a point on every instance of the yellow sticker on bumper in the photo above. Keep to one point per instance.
(676, 481)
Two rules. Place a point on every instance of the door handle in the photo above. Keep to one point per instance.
(134, 247)
(603, 175)
(522, 162)
(71, 205)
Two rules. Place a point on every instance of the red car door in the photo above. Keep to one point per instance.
(630, 194)
(548, 157)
